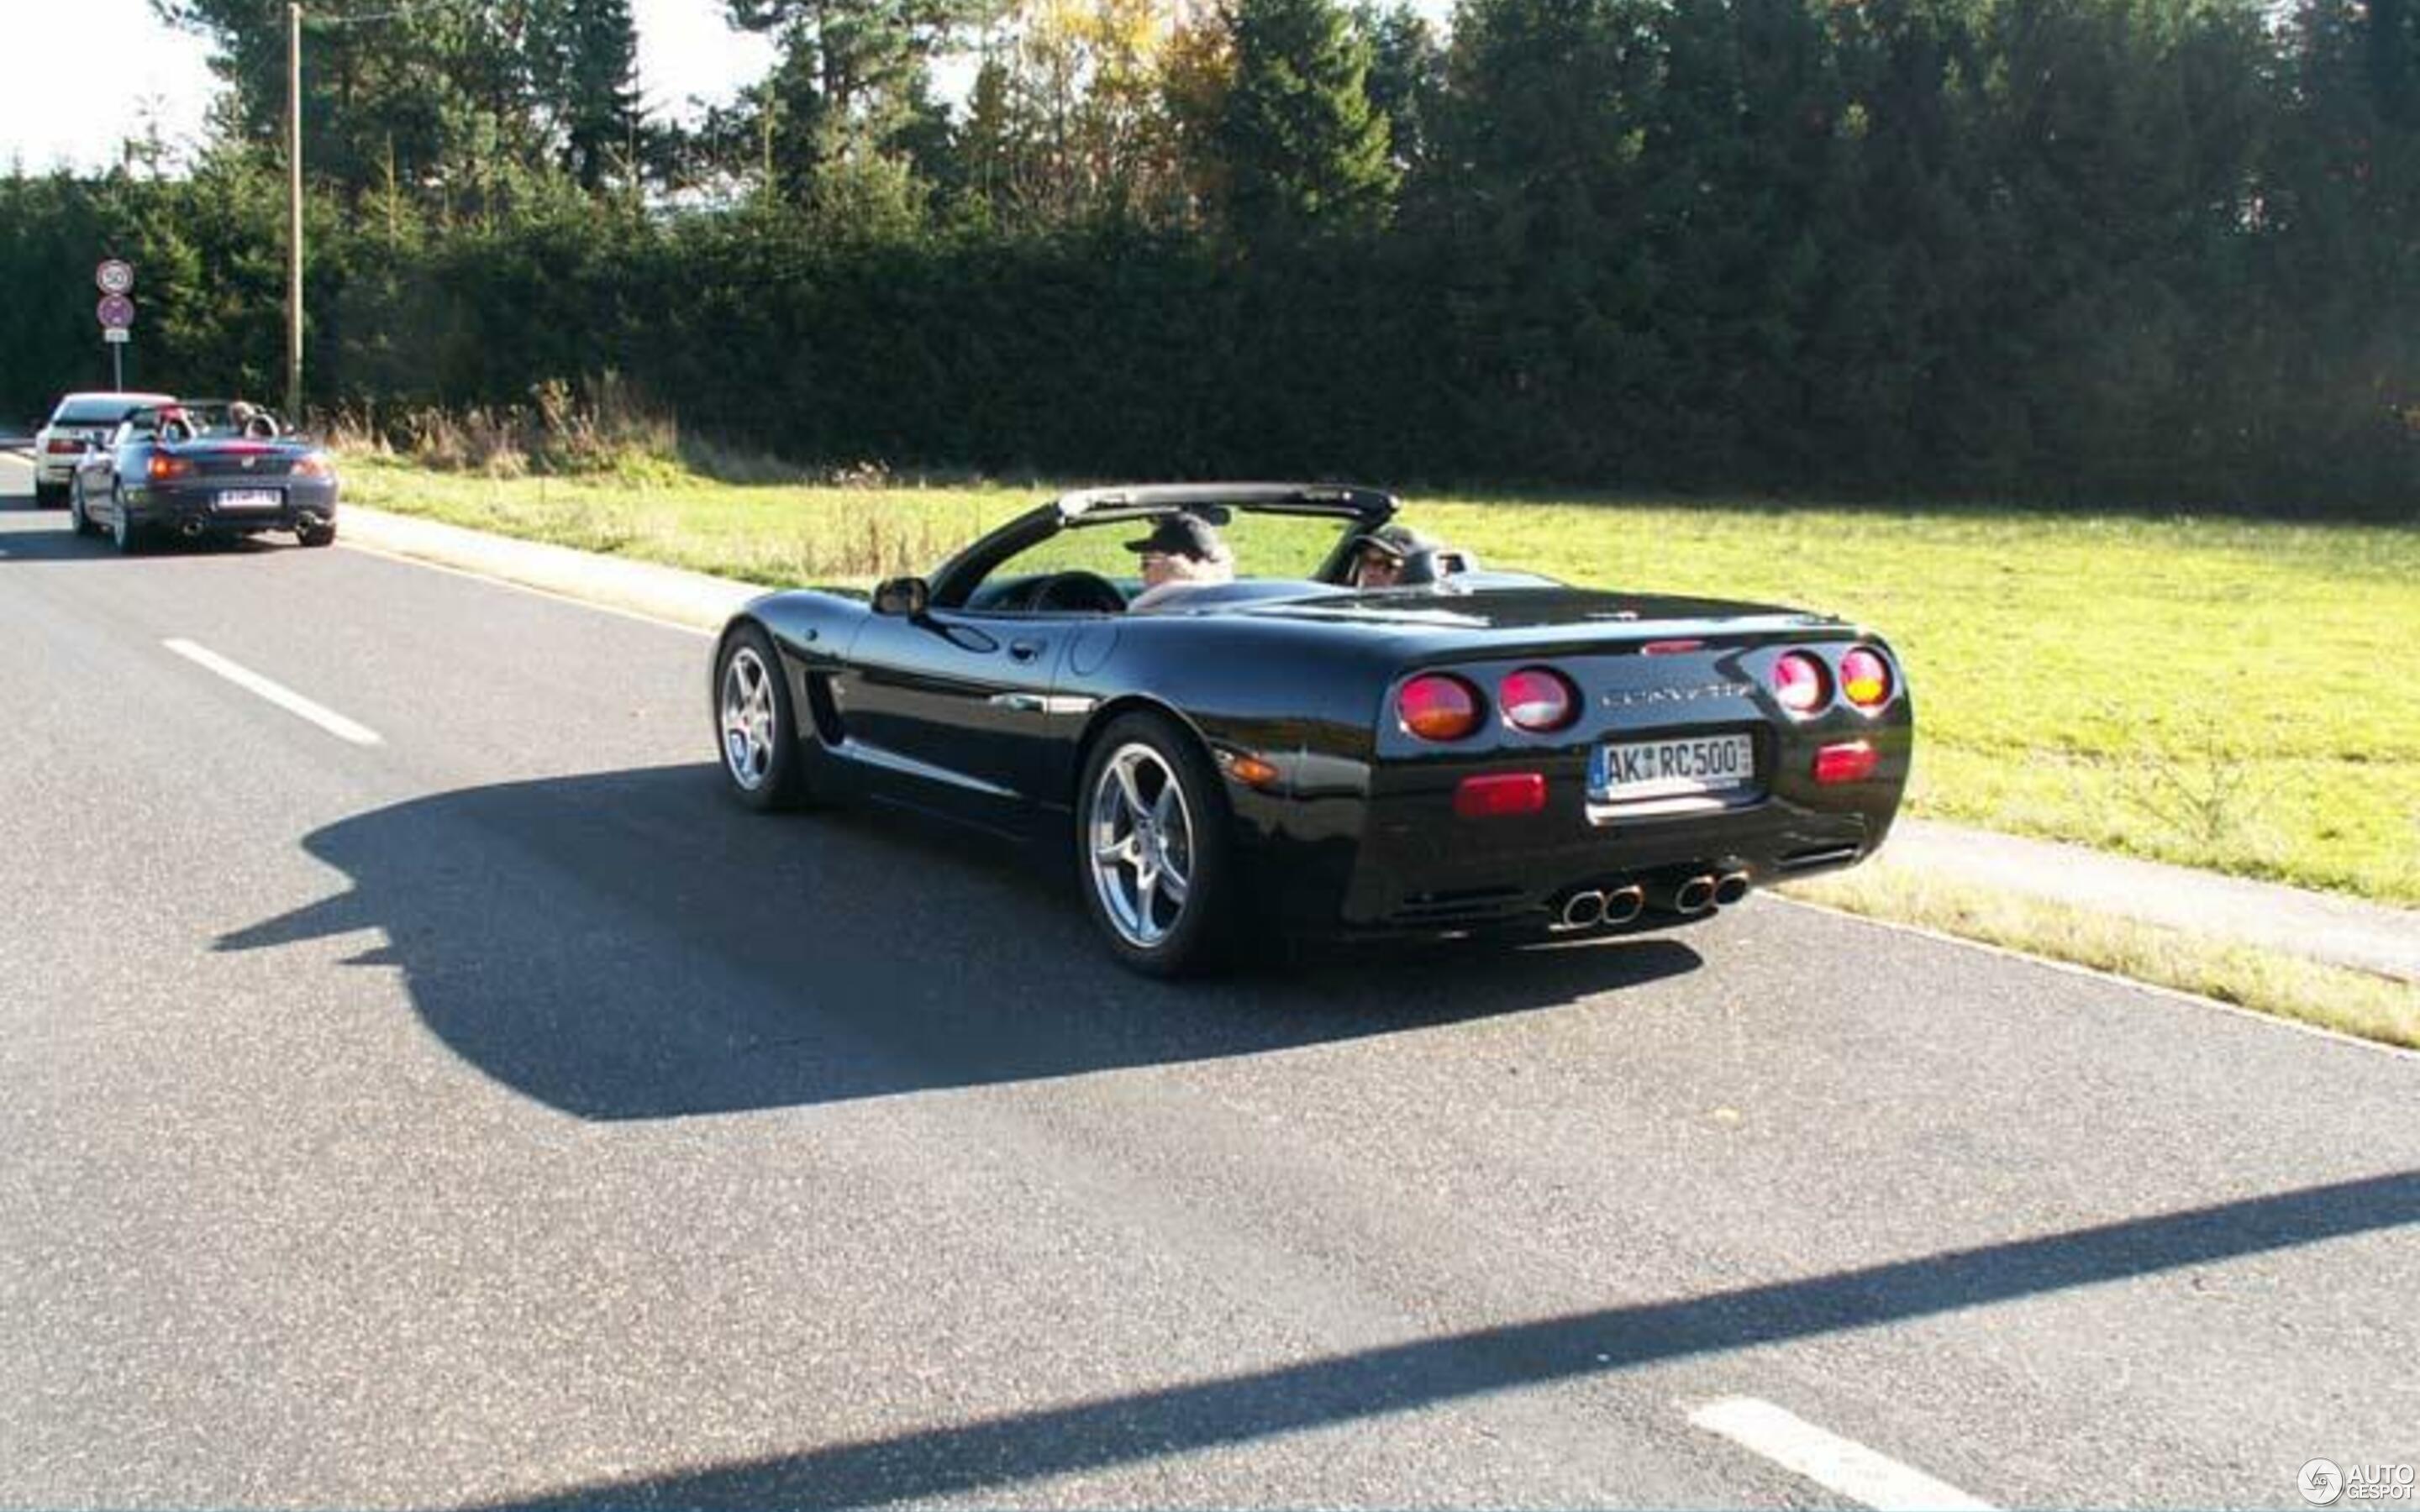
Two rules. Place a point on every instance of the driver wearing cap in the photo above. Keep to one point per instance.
(1183, 551)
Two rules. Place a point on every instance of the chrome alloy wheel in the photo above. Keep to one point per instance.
(748, 716)
(1139, 839)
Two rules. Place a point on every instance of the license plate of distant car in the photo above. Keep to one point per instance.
(1629, 771)
(250, 498)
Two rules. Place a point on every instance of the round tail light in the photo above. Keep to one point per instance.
(1799, 683)
(1438, 706)
(1537, 699)
(1866, 678)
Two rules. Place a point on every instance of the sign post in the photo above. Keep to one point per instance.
(115, 312)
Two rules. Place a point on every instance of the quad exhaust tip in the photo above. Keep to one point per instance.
(1694, 896)
(1622, 904)
(1730, 888)
(1583, 910)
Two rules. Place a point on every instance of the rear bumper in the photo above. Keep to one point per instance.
(195, 509)
(1401, 860)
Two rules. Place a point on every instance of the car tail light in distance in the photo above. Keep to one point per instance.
(1500, 793)
(1438, 706)
(1849, 762)
(165, 466)
(314, 465)
(1538, 699)
(1799, 684)
(1865, 678)
(62, 446)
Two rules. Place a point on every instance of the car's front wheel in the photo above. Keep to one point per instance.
(1152, 847)
(77, 518)
(753, 724)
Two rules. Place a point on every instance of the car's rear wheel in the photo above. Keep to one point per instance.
(1151, 841)
(49, 495)
(123, 532)
(754, 725)
(318, 534)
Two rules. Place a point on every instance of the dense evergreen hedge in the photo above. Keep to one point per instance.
(2093, 252)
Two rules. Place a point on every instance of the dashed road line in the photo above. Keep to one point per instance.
(1839, 1465)
(277, 693)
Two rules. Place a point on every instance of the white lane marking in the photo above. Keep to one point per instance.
(1839, 1465)
(285, 697)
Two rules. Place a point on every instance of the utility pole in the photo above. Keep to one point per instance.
(293, 212)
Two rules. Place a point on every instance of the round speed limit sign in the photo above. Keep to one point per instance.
(115, 277)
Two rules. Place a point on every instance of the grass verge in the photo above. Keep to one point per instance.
(2332, 997)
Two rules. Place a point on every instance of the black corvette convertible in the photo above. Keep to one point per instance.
(1464, 751)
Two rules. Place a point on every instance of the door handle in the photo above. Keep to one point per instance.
(1025, 650)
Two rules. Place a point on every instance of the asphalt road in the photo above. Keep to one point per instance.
(492, 1114)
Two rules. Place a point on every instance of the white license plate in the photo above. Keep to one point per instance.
(250, 498)
(1633, 770)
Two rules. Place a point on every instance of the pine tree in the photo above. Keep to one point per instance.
(599, 94)
(1303, 148)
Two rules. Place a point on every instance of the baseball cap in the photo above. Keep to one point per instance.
(1396, 541)
(1181, 536)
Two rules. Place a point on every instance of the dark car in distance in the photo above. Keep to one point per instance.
(198, 468)
(1466, 751)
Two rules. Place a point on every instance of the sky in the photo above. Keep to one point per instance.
(83, 74)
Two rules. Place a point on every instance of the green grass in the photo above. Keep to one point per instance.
(2223, 693)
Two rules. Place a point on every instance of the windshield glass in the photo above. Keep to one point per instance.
(96, 411)
(1263, 546)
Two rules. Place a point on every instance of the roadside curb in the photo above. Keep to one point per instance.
(693, 601)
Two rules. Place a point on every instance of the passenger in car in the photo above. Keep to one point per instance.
(1380, 556)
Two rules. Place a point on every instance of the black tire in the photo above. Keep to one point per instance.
(49, 494)
(763, 763)
(77, 520)
(1144, 929)
(317, 535)
(123, 532)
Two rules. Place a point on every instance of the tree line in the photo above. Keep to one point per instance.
(2093, 252)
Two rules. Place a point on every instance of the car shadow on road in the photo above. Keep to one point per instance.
(1092, 1435)
(632, 945)
(64, 545)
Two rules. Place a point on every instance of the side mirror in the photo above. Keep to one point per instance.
(909, 596)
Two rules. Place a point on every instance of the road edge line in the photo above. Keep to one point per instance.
(2076, 968)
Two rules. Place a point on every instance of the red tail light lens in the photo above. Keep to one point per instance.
(1538, 699)
(1438, 706)
(314, 465)
(163, 466)
(1500, 793)
(1851, 761)
(61, 446)
(1866, 678)
(1799, 684)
